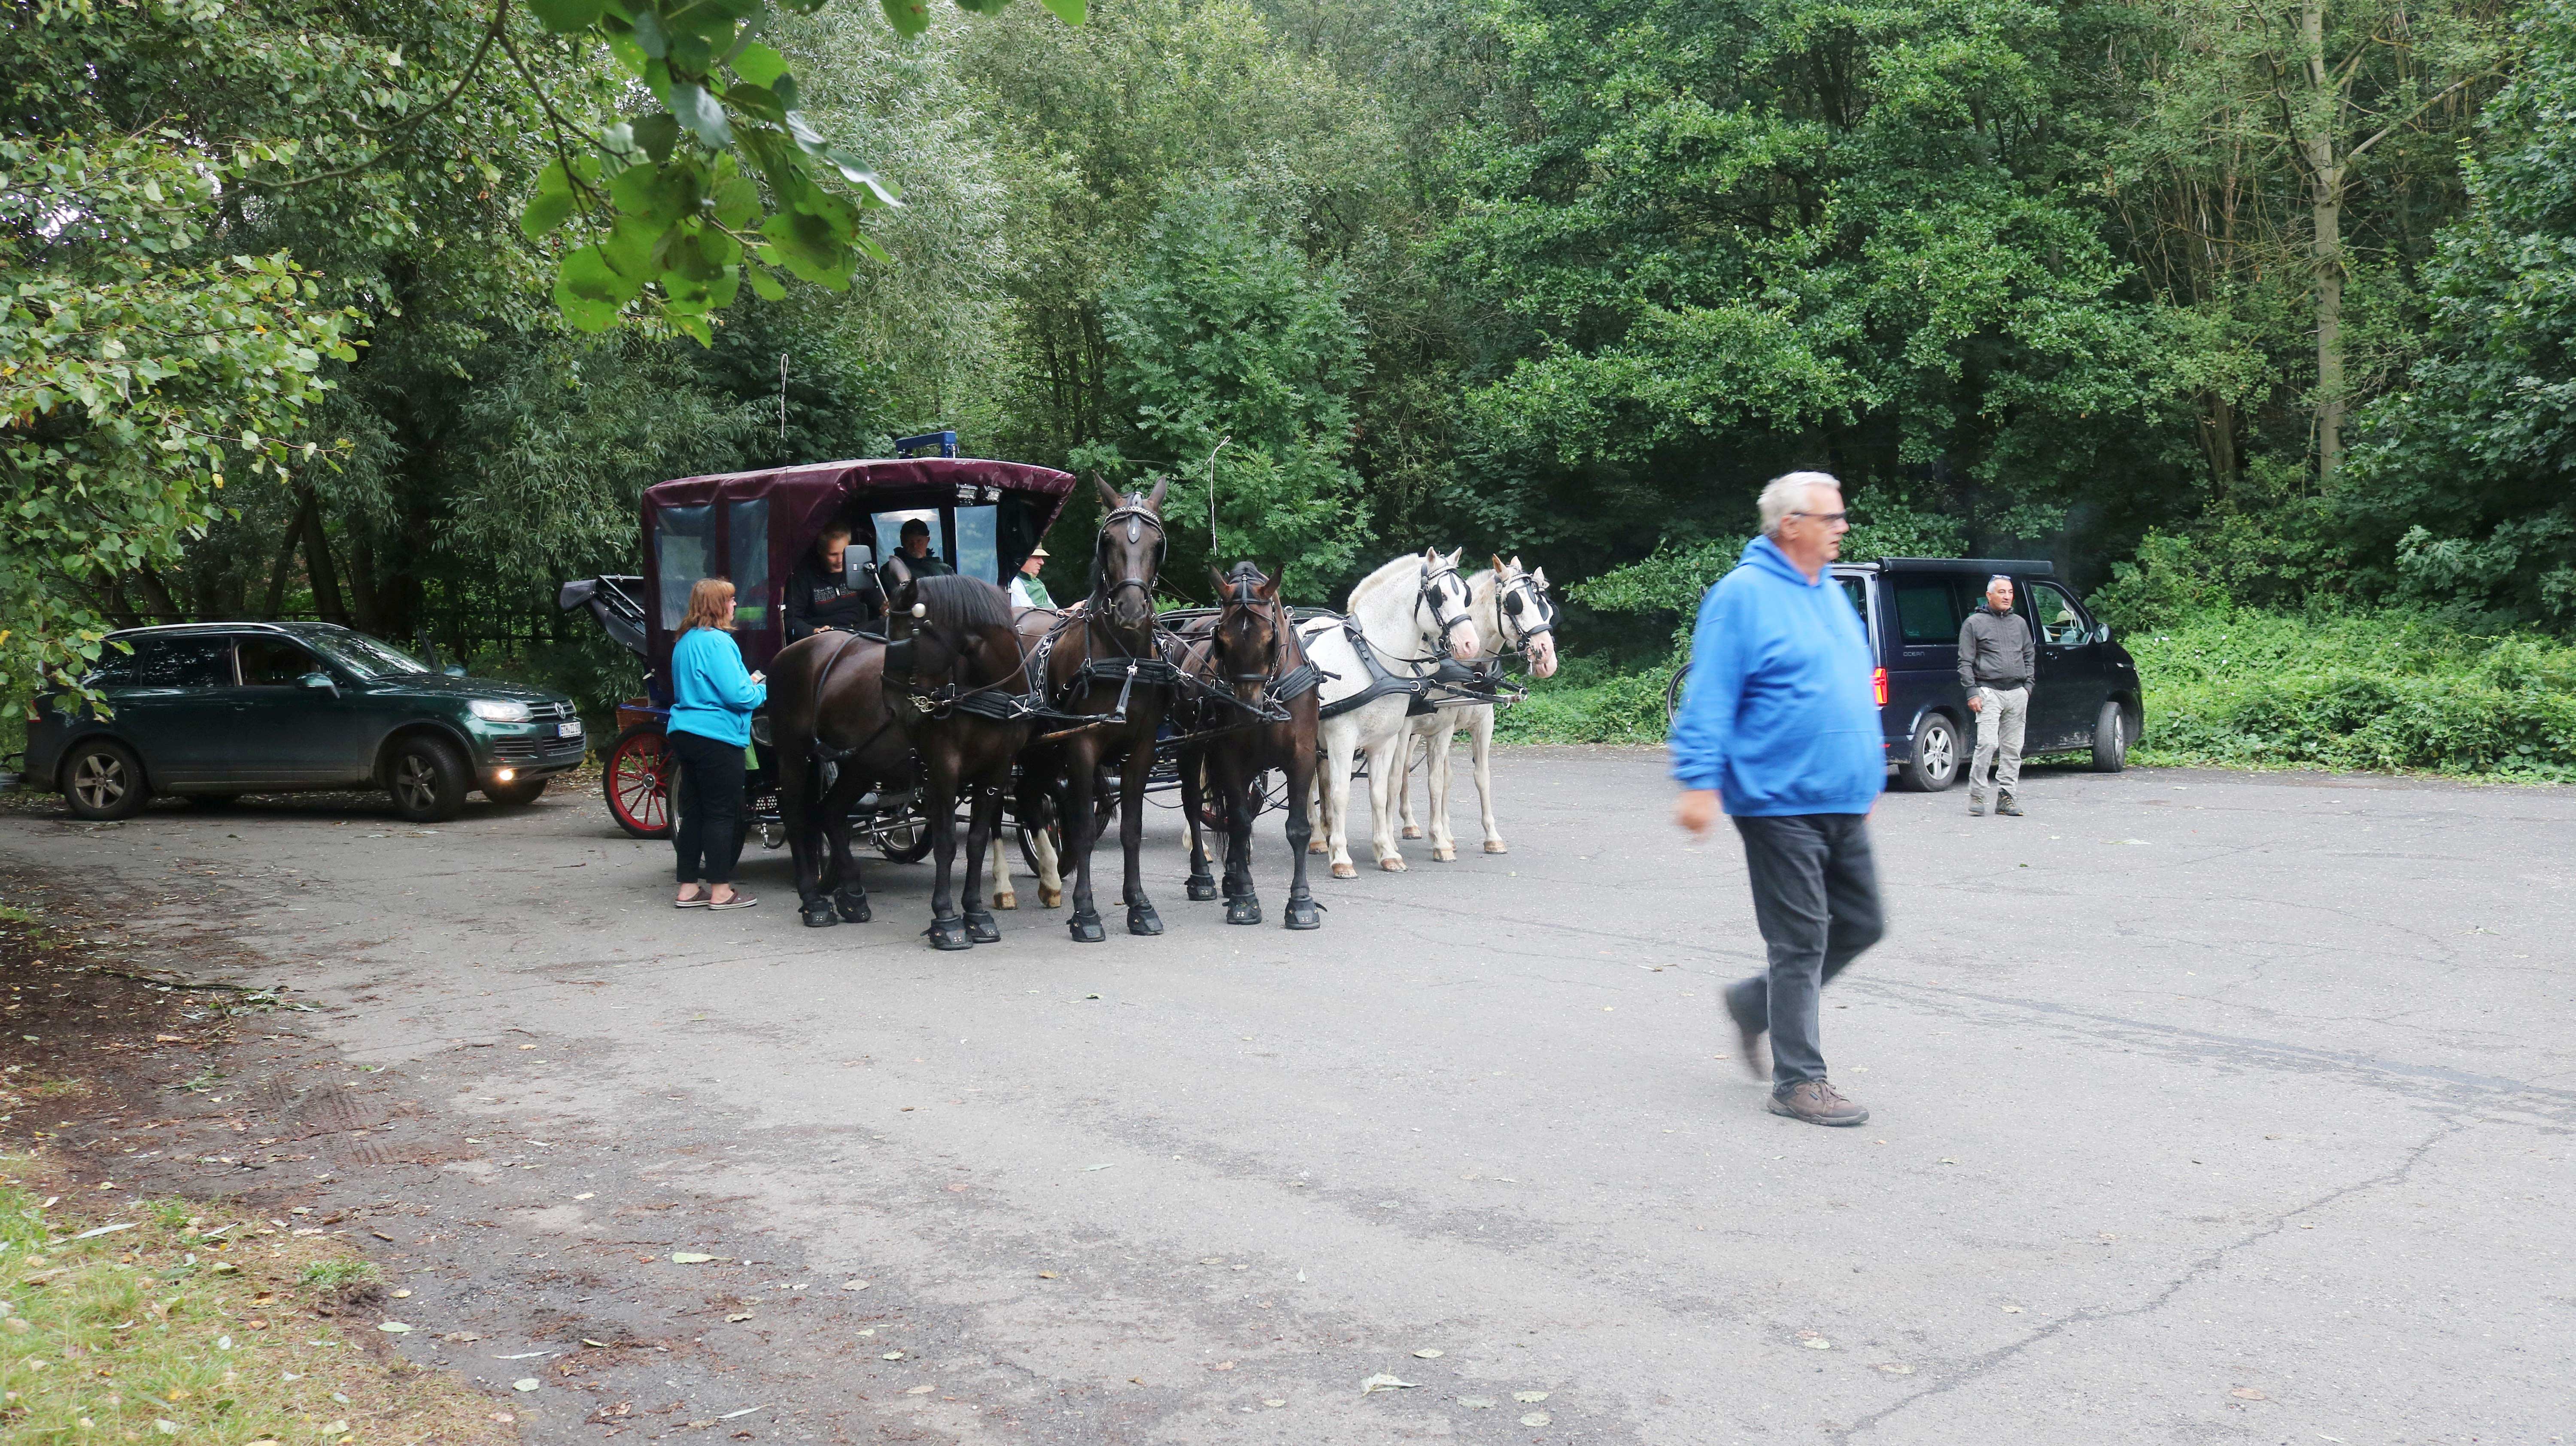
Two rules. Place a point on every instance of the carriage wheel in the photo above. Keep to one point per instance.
(637, 780)
(907, 842)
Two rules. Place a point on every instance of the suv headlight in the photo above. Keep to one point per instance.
(499, 710)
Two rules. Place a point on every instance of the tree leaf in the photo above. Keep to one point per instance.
(1071, 12)
(648, 33)
(908, 17)
(545, 212)
(657, 134)
(563, 17)
(759, 64)
(763, 284)
(702, 114)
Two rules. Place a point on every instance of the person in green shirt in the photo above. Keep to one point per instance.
(1028, 590)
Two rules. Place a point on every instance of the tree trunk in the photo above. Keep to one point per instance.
(318, 566)
(156, 596)
(285, 562)
(2218, 442)
(2325, 207)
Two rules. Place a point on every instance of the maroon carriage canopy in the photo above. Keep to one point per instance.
(751, 527)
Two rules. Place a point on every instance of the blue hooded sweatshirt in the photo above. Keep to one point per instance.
(1778, 715)
(712, 694)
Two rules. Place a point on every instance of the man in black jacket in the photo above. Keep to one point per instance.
(1995, 656)
(820, 596)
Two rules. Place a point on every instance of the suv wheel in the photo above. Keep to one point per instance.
(1936, 762)
(428, 778)
(103, 780)
(2111, 738)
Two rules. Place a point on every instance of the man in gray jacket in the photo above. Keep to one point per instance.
(1995, 655)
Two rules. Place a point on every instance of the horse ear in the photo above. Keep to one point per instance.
(1497, 561)
(1539, 577)
(1516, 562)
(1109, 497)
(900, 586)
(1155, 498)
(1454, 554)
(1220, 579)
(1270, 586)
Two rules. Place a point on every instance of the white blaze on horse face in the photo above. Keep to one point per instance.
(1455, 607)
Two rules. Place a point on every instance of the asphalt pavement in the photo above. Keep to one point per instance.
(2206, 1108)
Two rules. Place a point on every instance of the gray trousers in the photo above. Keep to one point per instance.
(1999, 729)
(1815, 898)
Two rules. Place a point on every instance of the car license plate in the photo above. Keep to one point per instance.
(568, 730)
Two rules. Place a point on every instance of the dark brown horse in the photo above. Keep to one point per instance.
(1102, 657)
(1259, 710)
(939, 697)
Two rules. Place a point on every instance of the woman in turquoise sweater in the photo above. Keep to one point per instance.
(712, 699)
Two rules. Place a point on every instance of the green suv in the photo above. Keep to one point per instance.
(213, 710)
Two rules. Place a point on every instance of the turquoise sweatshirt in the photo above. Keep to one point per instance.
(712, 694)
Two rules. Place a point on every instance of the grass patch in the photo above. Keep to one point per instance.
(1588, 702)
(197, 1327)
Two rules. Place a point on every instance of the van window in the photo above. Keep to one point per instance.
(1927, 609)
(2056, 614)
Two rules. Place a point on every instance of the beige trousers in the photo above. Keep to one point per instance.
(1999, 730)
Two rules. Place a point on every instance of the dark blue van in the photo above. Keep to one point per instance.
(2086, 696)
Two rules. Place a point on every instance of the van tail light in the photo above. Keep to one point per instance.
(1878, 684)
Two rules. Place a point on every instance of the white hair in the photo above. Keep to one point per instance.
(1787, 493)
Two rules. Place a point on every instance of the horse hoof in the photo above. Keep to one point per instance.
(1345, 871)
(1413, 830)
(949, 933)
(819, 915)
(1304, 914)
(1202, 889)
(1243, 909)
(1497, 846)
(1141, 919)
(1050, 898)
(1006, 901)
(1444, 856)
(853, 907)
(981, 928)
(1086, 928)
(1318, 850)
(1392, 863)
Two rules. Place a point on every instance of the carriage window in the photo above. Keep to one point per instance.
(889, 530)
(1928, 611)
(682, 554)
(978, 544)
(747, 555)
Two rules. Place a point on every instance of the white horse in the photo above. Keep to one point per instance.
(1513, 615)
(1412, 611)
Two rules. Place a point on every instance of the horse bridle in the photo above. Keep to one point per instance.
(1430, 596)
(1522, 594)
(1137, 518)
(1279, 630)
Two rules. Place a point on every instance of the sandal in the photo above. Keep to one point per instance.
(740, 900)
(699, 902)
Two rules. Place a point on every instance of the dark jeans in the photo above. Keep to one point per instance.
(709, 806)
(1815, 896)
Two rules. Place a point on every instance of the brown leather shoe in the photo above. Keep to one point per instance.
(1818, 1103)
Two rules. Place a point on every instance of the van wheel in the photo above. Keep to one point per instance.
(103, 781)
(428, 778)
(1935, 762)
(2111, 738)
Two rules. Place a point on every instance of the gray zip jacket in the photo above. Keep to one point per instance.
(1994, 650)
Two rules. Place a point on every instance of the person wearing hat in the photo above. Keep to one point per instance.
(1028, 590)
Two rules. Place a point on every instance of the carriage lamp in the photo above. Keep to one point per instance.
(499, 710)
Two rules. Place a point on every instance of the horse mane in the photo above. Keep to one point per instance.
(1386, 577)
(964, 604)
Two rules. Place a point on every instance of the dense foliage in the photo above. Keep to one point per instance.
(387, 314)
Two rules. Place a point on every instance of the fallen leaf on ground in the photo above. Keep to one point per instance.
(1477, 1403)
(891, 1356)
(1384, 1382)
(854, 1285)
(2248, 1393)
(392, 1327)
(1222, 1366)
(1894, 1369)
(1046, 1275)
(689, 1257)
(2012, 1310)
(921, 1390)
(524, 1383)
(1536, 1418)
(1529, 1398)
(603, 1345)
(1428, 1355)
(1097, 1167)
(737, 1319)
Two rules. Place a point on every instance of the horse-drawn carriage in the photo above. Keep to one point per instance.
(957, 709)
(754, 528)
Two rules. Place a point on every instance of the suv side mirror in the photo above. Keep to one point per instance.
(454, 670)
(321, 682)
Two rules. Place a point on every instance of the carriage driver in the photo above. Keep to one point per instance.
(819, 594)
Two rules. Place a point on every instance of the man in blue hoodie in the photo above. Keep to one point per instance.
(1780, 724)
